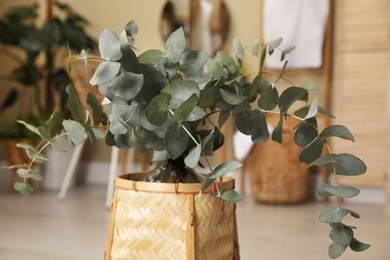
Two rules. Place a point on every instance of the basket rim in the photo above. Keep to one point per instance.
(128, 182)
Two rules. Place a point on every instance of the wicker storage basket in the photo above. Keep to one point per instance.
(166, 221)
(276, 175)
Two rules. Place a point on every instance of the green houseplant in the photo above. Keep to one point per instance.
(176, 102)
(25, 40)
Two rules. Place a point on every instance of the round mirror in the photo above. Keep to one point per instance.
(205, 22)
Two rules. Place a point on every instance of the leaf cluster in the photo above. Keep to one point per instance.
(176, 102)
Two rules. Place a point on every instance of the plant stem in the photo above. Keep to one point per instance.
(41, 150)
(334, 175)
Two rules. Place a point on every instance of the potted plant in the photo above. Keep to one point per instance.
(25, 40)
(20, 31)
(175, 103)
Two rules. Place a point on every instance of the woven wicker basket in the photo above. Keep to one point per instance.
(276, 175)
(166, 221)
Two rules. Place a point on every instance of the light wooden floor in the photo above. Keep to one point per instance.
(40, 228)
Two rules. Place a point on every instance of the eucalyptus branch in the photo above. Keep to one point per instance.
(41, 150)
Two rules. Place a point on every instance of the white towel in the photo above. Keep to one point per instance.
(300, 23)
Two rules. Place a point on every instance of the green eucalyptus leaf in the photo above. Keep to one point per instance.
(215, 69)
(151, 140)
(274, 44)
(335, 215)
(157, 111)
(30, 127)
(225, 168)
(196, 114)
(181, 91)
(260, 129)
(338, 131)
(290, 96)
(326, 190)
(53, 125)
(129, 60)
(75, 131)
(209, 97)
(313, 151)
(24, 188)
(244, 122)
(313, 109)
(97, 111)
(262, 59)
(199, 77)
(262, 85)
(358, 246)
(32, 153)
(192, 61)
(306, 132)
(127, 140)
(176, 140)
(238, 49)
(30, 174)
(341, 234)
(109, 46)
(325, 112)
(176, 44)
(255, 45)
(24, 173)
(105, 72)
(227, 62)
(44, 133)
(154, 82)
(207, 143)
(335, 250)
(126, 85)
(74, 103)
(310, 86)
(207, 181)
(160, 155)
(231, 98)
(123, 117)
(185, 109)
(90, 134)
(154, 58)
(172, 70)
(285, 52)
(131, 28)
(231, 196)
(223, 117)
(343, 164)
(277, 134)
(218, 139)
(193, 156)
(269, 100)
(303, 111)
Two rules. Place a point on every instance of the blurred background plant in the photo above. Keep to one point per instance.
(39, 48)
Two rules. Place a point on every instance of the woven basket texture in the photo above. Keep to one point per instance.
(166, 225)
(276, 175)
